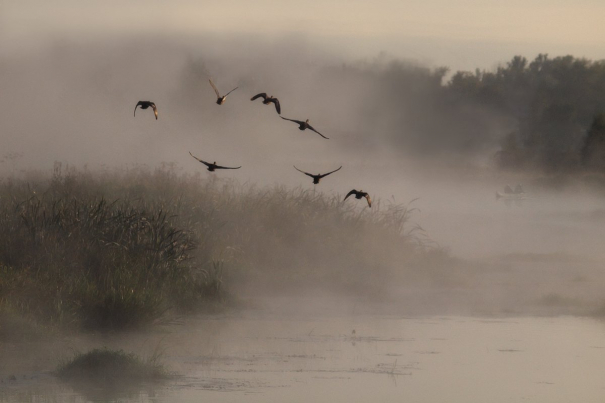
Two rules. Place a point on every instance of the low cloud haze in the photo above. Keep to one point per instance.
(74, 103)
(476, 128)
(462, 35)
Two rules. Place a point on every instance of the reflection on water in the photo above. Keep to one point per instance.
(354, 359)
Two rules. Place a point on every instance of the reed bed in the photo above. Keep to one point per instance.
(116, 249)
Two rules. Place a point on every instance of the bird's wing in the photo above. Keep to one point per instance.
(292, 120)
(218, 95)
(140, 103)
(311, 128)
(306, 173)
(352, 192)
(220, 167)
(367, 196)
(277, 106)
(262, 94)
(203, 162)
(231, 91)
(324, 175)
(155, 110)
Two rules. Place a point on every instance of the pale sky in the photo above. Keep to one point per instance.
(461, 34)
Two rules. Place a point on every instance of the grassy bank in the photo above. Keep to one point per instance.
(117, 249)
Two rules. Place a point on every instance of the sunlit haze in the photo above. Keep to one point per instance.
(165, 237)
(459, 34)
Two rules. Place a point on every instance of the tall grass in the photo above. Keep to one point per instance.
(117, 249)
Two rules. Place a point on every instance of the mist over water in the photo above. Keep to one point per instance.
(72, 102)
(79, 93)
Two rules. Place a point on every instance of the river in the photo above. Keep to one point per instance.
(264, 357)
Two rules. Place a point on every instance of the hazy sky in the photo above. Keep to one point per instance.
(462, 34)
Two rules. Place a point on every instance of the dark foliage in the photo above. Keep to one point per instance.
(116, 250)
(551, 102)
(527, 114)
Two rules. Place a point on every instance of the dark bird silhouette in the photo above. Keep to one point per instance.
(212, 166)
(267, 100)
(358, 195)
(220, 99)
(304, 125)
(145, 105)
(317, 178)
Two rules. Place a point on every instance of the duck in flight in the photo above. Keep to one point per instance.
(267, 100)
(358, 195)
(212, 166)
(145, 105)
(220, 99)
(304, 125)
(317, 178)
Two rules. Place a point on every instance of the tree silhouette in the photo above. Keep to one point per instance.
(593, 152)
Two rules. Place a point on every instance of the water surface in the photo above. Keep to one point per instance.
(276, 358)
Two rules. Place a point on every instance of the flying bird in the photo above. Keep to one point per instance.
(304, 125)
(220, 99)
(317, 178)
(212, 166)
(145, 105)
(267, 100)
(358, 195)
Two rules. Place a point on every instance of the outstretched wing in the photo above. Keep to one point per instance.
(203, 162)
(311, 128)
(367, 196)
(155, 110)
(352, 192)
(292, 120)
(218, 95)
(277, 107)
(324, 175)
(306, 173)
(262, 94)
(135, 108)
(220, 167)
(231, 91)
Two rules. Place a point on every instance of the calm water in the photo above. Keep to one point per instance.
(263, 358)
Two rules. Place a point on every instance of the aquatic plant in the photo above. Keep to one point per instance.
(117, 249)
(104, 365)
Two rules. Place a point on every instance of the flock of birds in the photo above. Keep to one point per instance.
(302, 125)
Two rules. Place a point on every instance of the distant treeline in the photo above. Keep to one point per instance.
(557, 105)
(548, 113)
(542, 114)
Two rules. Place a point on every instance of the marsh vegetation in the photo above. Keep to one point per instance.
(120, 249)
(111, 366)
